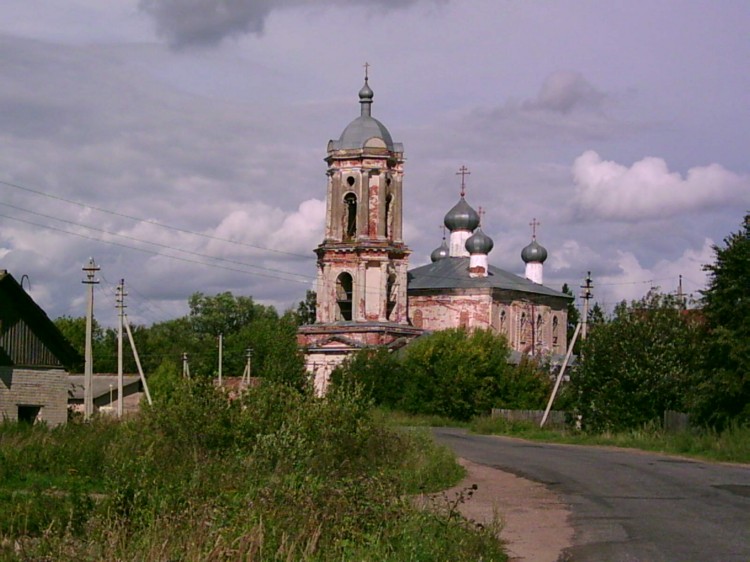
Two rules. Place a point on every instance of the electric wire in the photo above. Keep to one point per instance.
(148, 221)
(157, 244)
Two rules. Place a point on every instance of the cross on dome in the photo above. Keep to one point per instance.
(463, 171)
(533, 224)
(367, 65)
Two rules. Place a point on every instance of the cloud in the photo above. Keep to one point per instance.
(633, 279)
(648, 190)
(565, 91)
(206, 23)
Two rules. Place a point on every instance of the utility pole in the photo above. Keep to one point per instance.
(221, 349)
(586, 296)
(246, 374)
(90, 270)
(138, 361)
(120, 315)
(560, 375)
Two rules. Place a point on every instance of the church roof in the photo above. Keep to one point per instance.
(453, 273)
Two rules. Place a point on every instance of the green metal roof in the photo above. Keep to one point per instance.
(453, 273)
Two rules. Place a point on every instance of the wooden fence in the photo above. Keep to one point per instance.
(674, 422)
(556, 418)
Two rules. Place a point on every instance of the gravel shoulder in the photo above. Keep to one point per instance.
(535, 523)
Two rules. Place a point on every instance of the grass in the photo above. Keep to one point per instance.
(730, 445)
(274, 475)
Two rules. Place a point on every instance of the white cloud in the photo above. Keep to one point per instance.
(647, 189)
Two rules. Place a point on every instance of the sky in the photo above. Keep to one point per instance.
(180, 143)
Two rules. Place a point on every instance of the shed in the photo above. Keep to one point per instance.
(34, 357)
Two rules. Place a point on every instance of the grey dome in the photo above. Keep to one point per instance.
(534, 252)
(440, 253)
(364, 128)
(479, 243)
(461, 217)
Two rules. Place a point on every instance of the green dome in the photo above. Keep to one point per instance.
(534, 252)
(479, 243)
(461, 217)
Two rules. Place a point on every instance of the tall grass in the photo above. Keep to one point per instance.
(730, 445)
(273, 475)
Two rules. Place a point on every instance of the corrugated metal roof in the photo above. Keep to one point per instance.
(453, 273)
(28, 338)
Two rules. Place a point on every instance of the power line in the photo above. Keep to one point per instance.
(147, 251)
(148, 221)
(157, 244)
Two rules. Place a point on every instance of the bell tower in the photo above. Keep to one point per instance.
(362, 261)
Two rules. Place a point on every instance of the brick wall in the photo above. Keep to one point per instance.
(47, 388)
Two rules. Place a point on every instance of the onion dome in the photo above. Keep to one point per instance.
(440, 253)
(534, 252)
(461, 217)
(479, 243)
(364, 128)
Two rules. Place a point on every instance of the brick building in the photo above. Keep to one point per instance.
(33, 359)
(365, 294)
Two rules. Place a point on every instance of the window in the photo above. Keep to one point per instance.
(418, 319)
(344, 288)
(389, 217)
(391, 290)
(28, 414)
(350, 215)
(554, 331)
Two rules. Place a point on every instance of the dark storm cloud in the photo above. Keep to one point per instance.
(205, 23)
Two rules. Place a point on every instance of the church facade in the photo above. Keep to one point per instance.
(366, 296)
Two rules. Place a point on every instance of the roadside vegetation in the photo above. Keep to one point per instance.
(651, 355)
(275, 474)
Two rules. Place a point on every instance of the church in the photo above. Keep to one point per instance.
(366, 294)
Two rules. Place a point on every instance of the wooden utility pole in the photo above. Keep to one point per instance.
(90, 270)
(120, 315)
(137, 361)
(587, 295)
(560, 375)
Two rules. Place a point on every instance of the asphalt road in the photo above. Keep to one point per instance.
(629, 505)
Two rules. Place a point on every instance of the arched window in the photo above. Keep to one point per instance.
(391, 290)
(555, 323)
(503, 327)
(344, 296)
(522, 322)
(538, 338)
(418, 319)
(350, 216)
(389, 216)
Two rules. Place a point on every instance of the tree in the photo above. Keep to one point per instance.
(596, 316)
(224, 313)
(307, 309)
(74, 330)
(725, 394)
(640, 363)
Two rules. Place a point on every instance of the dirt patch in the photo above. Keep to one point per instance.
(535, 522)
